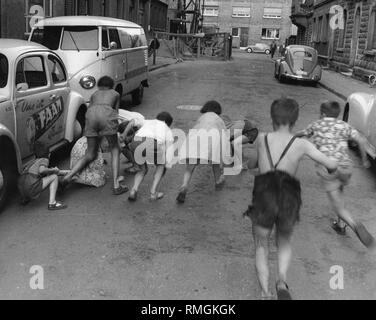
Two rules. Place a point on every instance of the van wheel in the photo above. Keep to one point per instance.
(137, 95)
(5, 183)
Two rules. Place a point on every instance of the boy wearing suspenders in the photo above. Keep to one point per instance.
(276, 193)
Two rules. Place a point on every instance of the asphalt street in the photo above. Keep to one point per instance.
(103, 247)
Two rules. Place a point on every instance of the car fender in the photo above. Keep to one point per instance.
(285, 67)
(75, 101)
(5, 132)
(360, 106)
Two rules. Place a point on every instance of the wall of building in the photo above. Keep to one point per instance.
(14, 22)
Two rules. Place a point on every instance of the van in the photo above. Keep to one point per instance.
(92, 47)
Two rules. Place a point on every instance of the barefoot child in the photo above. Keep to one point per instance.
(37, 176)
(102, 121)
(151, 145)
(204, 145)
(276, 192)
(331, 136)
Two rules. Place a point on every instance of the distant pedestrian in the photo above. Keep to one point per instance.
(331, 136)
(273, 49)
(282, 50)
(204, 145)
(152, 144)
(102, 121)
(37, 176)
(276, 192)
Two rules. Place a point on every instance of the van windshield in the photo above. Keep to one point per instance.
(3, 71)
(80, 38)
(47, 36)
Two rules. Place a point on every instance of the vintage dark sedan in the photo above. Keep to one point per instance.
(298, 63)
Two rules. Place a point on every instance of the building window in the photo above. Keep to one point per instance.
(235, 32)
(371, 41)
(270, 33)
(241, 12)
(211, 11)
(319, 29)
(36, 10)
(324, 28)
(342, 32)
(272, 13)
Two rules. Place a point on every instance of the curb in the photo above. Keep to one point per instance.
(159, 67)
(338, 94)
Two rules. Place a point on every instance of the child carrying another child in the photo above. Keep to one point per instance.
(331, 136)
(152, 144)
(37, 176)
(276, 192)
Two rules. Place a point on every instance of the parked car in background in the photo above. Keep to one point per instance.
(360, 113)
(92, 47)
(258, 48)
(36, 104)
(299, 63)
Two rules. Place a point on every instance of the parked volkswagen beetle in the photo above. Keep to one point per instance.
(36, 104)
(360, 113)
(299, 63)
(258, 47)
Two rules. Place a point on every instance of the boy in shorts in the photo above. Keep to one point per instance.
(276, 192)
(37, 176)
(331, 136)
(102, 121)
(152, 144)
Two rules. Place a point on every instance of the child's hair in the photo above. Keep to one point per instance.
(41, 150)
(212, 106)
(331, 109)
(284, 111)
(106, 82)
(165, 117)
(123, 126)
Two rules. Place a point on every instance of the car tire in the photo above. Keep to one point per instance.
(137, 95)
(267, 51)
(5, 183)
(249, 50)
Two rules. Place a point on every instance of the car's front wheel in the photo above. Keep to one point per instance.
(137, 95)
(267, 51)
(5, 182)
(249, 50)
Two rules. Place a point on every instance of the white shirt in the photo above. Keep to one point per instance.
(125, 115)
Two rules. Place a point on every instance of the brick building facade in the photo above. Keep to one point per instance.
(351, 48)
(16, 15)
(249, 21)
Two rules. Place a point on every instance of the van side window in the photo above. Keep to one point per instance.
(31, 71)
(57, 70)
(114, 38)
(105, 44)
(125, 38)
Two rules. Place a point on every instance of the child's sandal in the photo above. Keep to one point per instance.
(120, 190)
(181, 196)
(156, 196)
(337, 228)
(57, 206)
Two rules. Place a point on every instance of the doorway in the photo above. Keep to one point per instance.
(244, 36)
(355, 38)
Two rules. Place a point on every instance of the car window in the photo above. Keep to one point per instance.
(31, 71)
(114, 38)
(138, 38)
(125, 38)
(47, 36)
(80, 38)
(303, 54)
(56, 69)
(4, 69)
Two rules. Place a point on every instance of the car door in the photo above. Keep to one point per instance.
(36, 106)
(59, 98)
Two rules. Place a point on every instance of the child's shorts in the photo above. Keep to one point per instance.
(336, 180)
(276, 201)
(152, 152)
(30, 186)
(101, 121)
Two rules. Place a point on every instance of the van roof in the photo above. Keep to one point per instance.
(86, 21)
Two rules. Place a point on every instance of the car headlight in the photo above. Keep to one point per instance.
(87, 82)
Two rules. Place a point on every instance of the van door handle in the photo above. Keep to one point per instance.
(52, 96)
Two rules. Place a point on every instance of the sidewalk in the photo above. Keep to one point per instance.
(342, 85)
(160, 62)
